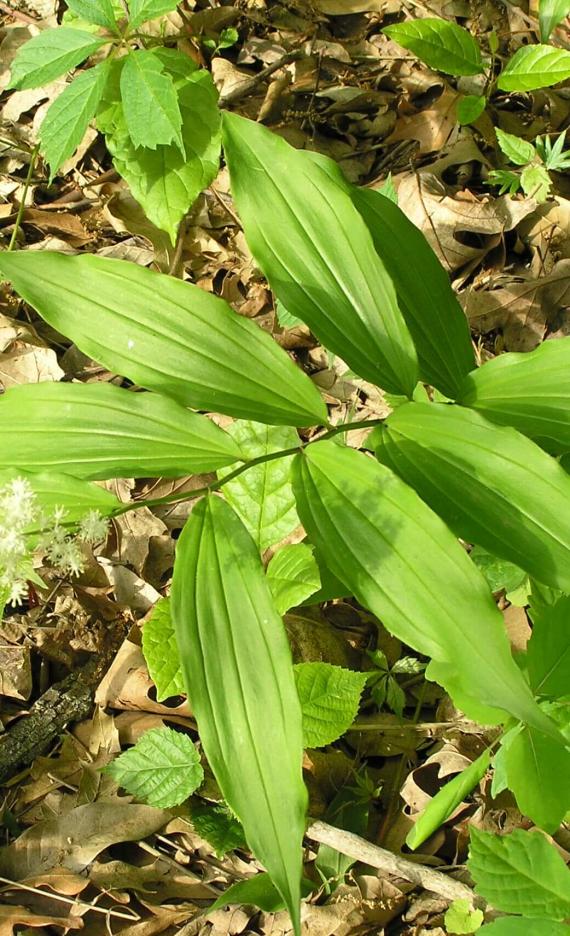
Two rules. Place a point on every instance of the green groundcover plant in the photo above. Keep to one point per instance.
(469, 453)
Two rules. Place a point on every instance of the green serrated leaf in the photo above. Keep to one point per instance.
(150, 103)
(50, 54)
(330, 696)
(214, 823)
(535, 66)
(548, 650)
(162, 769)
(520, 873)
(141, 11)
(462, 918)
(67, 119)
(263, 496)
(293, 575)
(507, 180)
(470, 108)
(536, 183)
(99, 12)
(518, 151)
(550, 14)
(439, 43)
(161, 652)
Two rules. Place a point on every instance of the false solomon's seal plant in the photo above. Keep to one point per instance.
(481, 465)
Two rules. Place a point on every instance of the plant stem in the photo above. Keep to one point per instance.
(22, 205)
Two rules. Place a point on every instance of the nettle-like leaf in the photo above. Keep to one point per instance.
(168, 179)
(317, 253)
(523, 926)
(238, 673)
(50, 54)
(161, 652)
(535, 66)
(293, 576)
(548, 650)
(432, 312)
(550, 14)
(401, 561)
(53, 490)
(529, 391)
(439, 43)
(263, 496)
(67, 119)
(214, 823)
(330, 696)
(470, 108)
(516, 150)
(150, 102)
(190, 345)
(461, 918)
(141, 11)
(98, 12)
(492, 485)
(520, 873)
(98, 431)
(162, 769)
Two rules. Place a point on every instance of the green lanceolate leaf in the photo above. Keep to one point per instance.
(98, 12)
(535, 66)
(51, 54)
(520, 873)
(263, 497)
(538, 773)
(97, 431)
(436, 321)
(162, 769)
(401, 561)
(165, 335)
(470, 108)
(529, 391)
(329, 696)
(493, 486)
(317, 253)
(150, 103)
(516, 150)
(53, 490)
(143, 10)
(548, 650)
(161, 652)
(67, 119)
(550, 14)
(440, 808)
(293, 575)
(239, 677)
(440, 44)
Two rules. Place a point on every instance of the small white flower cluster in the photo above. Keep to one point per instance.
(19, 510)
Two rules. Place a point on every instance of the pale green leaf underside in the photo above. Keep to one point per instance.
(161, 652)
(293, 575)
(440, 44)
(162, 769)
(98, 431)
(535, 66)
(329, 696)
(50, 54)
(150, 104)
(190, 345)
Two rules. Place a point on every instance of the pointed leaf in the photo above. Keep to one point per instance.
(538, 773)
(432, 312)
(529, 391)
(97, 431)
(141, 11)
(548, 650)
(493, 486)
(98, 12)
(317, 253)
(535, 66)
(258, 890)
(518, 151)
(400, 561)
(67, 119)
(329, 696)
(293, 575)
(239, 677)
(469, 108)
(520, 873)
(162, 769)
(150, 103)
(161, 652)
(50, 54)
(189, 344)
(439, 43)
(550, 14)
(59, 490)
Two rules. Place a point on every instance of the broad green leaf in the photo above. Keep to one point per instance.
(520, 873)
(330, 696)
(493, 486)
(462, 918)
(164, 181)
(440, 808)
(293, 575)
(98, 12)
(262, 496)
(214, 823)
(550, 14)
(187, 344)
(524, 926)
(499, 573)
(162, 769)
(258, 890)
(238, 673)
(161, 652)
(97, 431)
(548, 650)
(150, 103)
(538, 773)
(530, 391)
(141, 11)
(535, 66)
(401, 561)
(67, 119)
(436, 321)
(536, 183)
(470, 108)
(59, 490)
(50, 54)
(440, 44)
(518, 151)
(317, 254)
